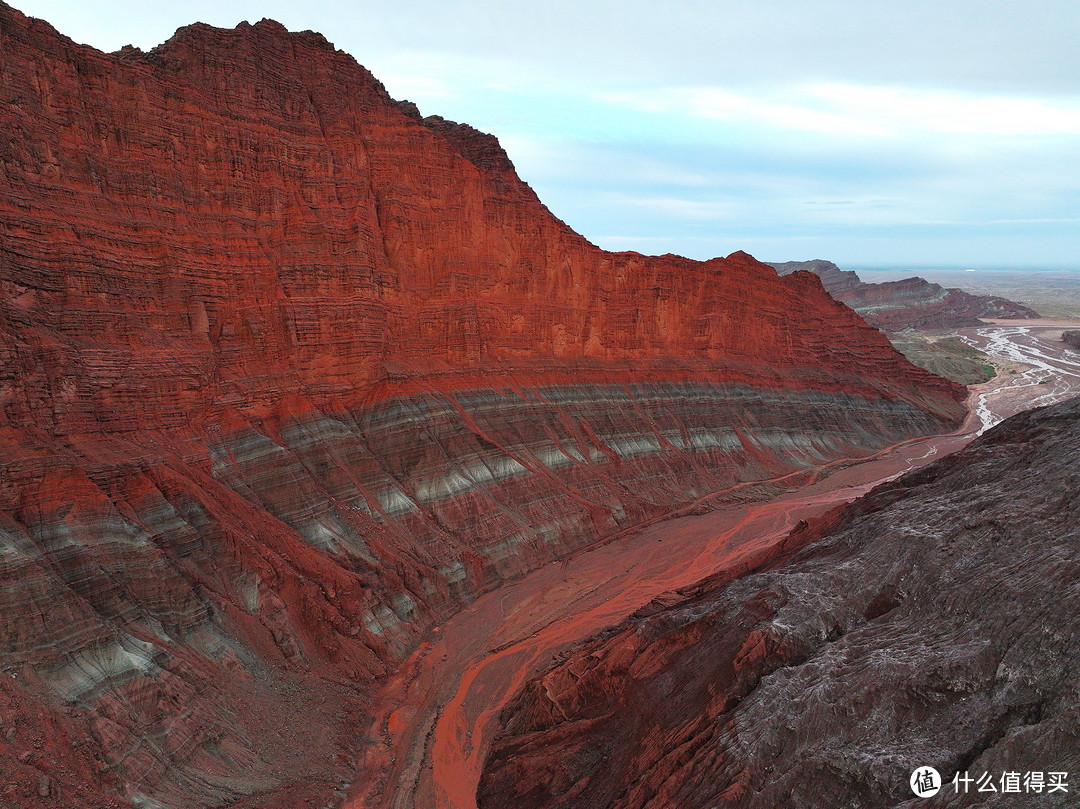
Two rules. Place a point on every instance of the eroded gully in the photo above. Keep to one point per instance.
(433, 719)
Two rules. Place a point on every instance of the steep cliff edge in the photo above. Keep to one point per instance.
(931, 623)
(912, 303)
(288, 373)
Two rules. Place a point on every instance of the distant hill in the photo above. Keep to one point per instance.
(913, 303)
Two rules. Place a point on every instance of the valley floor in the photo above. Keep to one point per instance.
(435, 717)
(1034, 367)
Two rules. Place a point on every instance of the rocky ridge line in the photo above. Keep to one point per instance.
(912, 303)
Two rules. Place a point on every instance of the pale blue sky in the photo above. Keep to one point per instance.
(870, 133)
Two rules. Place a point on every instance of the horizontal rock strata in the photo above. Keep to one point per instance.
(288, 373)
(931, 623)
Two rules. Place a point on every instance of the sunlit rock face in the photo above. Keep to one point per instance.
(932, 623)
(912, 303)
(289, 373)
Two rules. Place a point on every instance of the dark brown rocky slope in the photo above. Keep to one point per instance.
(935, 622)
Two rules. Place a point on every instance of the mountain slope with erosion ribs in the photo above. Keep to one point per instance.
(934, 622)
(289, 374)
(912, 303)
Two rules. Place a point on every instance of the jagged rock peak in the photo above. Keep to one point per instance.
(264, 30)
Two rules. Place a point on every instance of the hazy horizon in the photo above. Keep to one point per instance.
(973, 272)
(915, 135)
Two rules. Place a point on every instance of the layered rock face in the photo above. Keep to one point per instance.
(288, 373)
(913, 303)
(931, 623)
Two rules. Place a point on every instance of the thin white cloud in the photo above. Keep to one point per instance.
(685, 209)
(852, 110)
(901, 109)
(604, 164)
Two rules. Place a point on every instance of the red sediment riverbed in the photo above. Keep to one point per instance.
(434, 718)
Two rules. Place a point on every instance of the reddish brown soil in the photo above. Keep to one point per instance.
(439, 709)
(436, 715)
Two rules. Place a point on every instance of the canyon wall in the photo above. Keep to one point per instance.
(912, 303)
(289, 373)
(931, 623)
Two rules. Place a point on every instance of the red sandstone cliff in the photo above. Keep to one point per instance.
(288, 373)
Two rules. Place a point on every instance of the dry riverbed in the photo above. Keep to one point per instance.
(435, 717)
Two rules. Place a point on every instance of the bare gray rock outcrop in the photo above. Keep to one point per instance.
(934, 622)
